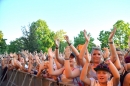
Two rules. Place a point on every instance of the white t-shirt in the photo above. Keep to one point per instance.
(96, 83)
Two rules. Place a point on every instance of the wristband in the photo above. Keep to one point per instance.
(105, 59)
(110, 42)
(66, 58)
(57, 48)
(69, 44)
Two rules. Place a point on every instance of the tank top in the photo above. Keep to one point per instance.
(92, 74)
(122, 76)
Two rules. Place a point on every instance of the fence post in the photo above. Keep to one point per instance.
(10, 78)
(31, 80)
(24, 79)
(3, 77)
(14, 77)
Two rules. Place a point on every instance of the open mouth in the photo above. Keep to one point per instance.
(101, 78)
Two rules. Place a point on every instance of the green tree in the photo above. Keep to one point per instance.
(16, 45)
(39, 37)
(120, 37)
(122, 34)
(3, 46)
(60, 35)
(103, 38)
(81, 40)
(62, 46)
(1, 35)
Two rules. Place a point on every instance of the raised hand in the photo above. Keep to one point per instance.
(11, 55)
(87, 56)
(67, 52)
(44, 56)
(50, 53)
(57, 42)
(66, 38)
(112, 34)
(87, 37)
(106, 53)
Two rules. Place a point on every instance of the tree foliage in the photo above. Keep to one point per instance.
(122, 34)
(16, 45)
(120, 37)
(1, 36)
(81, 40)
(39, 37)
(3, 46)
(62, 46)
(60, 35)
(103, 38)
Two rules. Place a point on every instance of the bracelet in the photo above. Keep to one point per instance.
(110, 42)
(66, 58)
(105, 59)
(57, 48)
(69, 44)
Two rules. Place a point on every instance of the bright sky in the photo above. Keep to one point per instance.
(70, 15)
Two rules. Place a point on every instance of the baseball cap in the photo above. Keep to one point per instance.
(102, 66)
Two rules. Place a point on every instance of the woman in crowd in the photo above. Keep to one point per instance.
(124, 71)
(103, 73)
(69, 73)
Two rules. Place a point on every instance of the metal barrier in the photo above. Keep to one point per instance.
(3, 77)
(19, 78)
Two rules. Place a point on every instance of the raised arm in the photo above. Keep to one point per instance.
(37, 59)
(41, 67)
(51, 70)
(69, 72)
(83, 50)
(59, 59)
(84, 72)
(112, 68)
(57, 64)
(73, 49)
(114, 56)
(71, 46)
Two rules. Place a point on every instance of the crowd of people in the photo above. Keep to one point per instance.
(102, 67)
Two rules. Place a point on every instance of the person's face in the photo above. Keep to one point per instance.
(22, 60)
(72, 60)
(103, 76)
(96, 56)
(120, 55)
